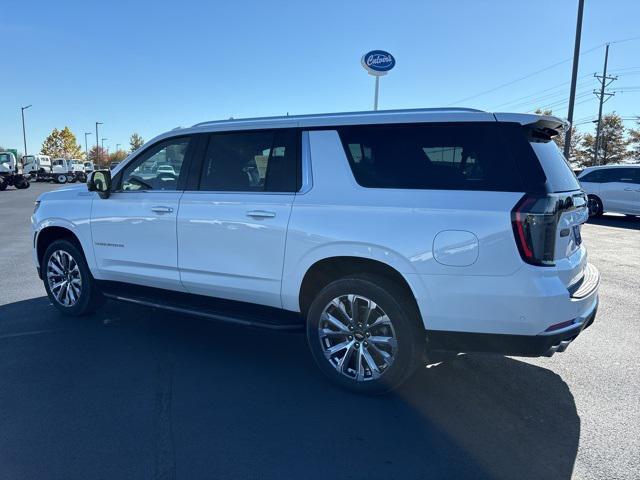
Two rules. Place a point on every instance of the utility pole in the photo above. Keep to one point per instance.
(117, 147)
(24, 134)
(98, 156)
(603, 96)
(103, 149)
(574, 79)
(85, 144)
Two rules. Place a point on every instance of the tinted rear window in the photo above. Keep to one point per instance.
(560, 177)
(623, 175)
(458, 156)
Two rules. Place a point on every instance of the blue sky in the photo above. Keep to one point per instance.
(151, 66)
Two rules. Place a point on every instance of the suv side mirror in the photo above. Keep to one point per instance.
(100, 181)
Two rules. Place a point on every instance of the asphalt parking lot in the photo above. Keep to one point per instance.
(133, 392)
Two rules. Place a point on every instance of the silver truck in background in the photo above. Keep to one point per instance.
(41, 168)
(11, 173)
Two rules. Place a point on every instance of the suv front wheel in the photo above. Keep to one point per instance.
(364, 334)
(68, 281)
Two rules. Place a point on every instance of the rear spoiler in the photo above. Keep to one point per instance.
(540, 126)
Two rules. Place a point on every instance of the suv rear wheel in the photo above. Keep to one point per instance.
(68, 281)
(364, 334)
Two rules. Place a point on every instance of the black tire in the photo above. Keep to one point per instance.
(22, 184)
(595, 206)
(3, 184)
(402, 313)
(90, 297)
(60, 178)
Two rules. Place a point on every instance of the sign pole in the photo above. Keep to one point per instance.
(375, 98)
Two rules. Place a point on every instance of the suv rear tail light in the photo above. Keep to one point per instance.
(535, 221)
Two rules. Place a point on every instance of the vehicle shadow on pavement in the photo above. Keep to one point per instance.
(133, 392)
(618, 221)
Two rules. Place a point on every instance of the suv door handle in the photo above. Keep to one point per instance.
(261, 214)
(161, 209)
(628, 189)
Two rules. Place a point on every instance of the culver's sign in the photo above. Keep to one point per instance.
(378, 62)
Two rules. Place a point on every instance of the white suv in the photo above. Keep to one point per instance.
(612, 188)
(385, 235)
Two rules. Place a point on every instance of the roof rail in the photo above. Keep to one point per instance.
(342, 114)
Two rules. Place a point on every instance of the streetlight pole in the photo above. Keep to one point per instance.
(98, 156)
(85, 144)
(574, 79)
(24, 134)
(118, 147)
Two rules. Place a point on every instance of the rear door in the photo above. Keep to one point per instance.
(134, 230)
(232, 223)
(619, 191)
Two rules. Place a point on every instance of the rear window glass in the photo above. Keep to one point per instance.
(460, 156)
(623, 175)
(559, 175)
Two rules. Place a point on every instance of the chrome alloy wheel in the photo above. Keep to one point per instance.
(64, 279)
(357, 337)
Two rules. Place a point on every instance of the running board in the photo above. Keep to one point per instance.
(237, 313)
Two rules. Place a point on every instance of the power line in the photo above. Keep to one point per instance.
(547, 98)
(557, 86)
(625, 40)
(528, 96)
(524, 77)
(561, 102)
(543, 70)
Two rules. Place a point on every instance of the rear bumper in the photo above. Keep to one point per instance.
(545, 344)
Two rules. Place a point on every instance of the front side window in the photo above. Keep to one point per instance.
(158, 168)
(253, 161)
(430, 156)
(593, 177)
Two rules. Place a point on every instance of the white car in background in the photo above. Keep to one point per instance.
(612, 188)
(167, 169)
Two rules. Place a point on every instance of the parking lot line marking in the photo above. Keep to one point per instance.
(25, 334)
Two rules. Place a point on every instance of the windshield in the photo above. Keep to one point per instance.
(5, 157)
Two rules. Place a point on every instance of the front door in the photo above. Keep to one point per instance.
(232, 226)
(134, 230)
